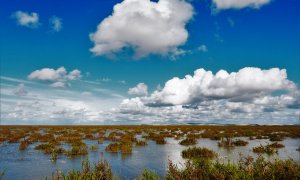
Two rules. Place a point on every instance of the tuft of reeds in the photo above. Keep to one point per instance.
(23, 145)
(198, 153)
(246, 169)
(240, 142)
(112, 148)
(100, 171)
(149, 175)
(126, 148)
(54, 156)
(264, 149)
(141, 143)
(94, 147)
(188, 142)
(276, 145)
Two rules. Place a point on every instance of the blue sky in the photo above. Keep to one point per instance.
(207, 34)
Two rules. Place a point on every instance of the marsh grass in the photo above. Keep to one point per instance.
(126, 148)
(54, 156)
(276, 145)
(188, 141)
(78, 148)
(240, 142)
(149, 175)
(245, 169)
(100, 171)
(198, 153)
(94, 148)
(112, 148)
(23, 145)
(141, 143)
(265, 149)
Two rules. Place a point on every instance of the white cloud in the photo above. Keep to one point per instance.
(243, 85)
(202, 48)
(58, 77)
(55, 23)
(140, 89)
(26, 19)
(145, 26)
(239, 97)
(58, 84)
(239, 4)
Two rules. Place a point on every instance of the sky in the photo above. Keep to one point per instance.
(150, 62)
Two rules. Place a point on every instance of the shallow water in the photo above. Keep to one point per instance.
(34, 164)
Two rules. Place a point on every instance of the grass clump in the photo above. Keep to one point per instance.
(246, 169)
(112, 148)
(78, 148)
(276, 145)
(188, 142)
(23, 145)
(54, 156)
(265, 149)
(141, 143)
(126, 148)
(94, 147)
(240, 142)
(100, 171)
(46, 147)
(160, 140)
(198, 153)
(149, 175)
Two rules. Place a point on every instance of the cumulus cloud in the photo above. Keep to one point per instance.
(59, 77)
(26, 19)
(146, 26)
(246, 96)
(239, 4)
(140, 89)
(243, 85)
(55, 23)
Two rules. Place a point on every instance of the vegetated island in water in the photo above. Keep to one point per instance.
(70, 142)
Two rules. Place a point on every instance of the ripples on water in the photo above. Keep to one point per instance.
(34, 164)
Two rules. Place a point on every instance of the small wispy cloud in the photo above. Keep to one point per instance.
(55, 23)
(202, 48)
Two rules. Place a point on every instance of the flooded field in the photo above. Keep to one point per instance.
(37, 152)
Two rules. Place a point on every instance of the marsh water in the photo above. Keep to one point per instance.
(34, 164)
